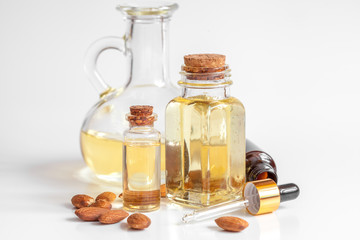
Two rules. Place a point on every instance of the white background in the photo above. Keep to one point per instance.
(296, 68)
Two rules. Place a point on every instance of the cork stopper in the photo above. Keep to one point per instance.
(205, 60)
(141, 110)
(141, 115)
(204, 66)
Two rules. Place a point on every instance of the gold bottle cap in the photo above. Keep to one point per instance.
(263, 196)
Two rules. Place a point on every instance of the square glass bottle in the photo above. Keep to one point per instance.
(205, 135)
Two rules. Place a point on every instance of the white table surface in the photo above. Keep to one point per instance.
(35, 200)
(295, 67)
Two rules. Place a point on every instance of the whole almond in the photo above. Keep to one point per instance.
(102, 203)
(81, 200)
(108, 196)
(232, 224)
(163, 190)
(138, 221)
(120, 195)
(90, 213)
(113, 216)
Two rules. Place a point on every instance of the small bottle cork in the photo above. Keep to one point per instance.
(204, 60)
(141, 115)
(141, 110)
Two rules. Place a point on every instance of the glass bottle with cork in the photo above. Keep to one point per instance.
(205, 135)
(141, 161)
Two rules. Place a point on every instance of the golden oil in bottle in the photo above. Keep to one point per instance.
(141, 161)
(103, 153)
(141, 175)
(205, 141)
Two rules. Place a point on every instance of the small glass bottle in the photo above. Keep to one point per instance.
(205, 135)
(141, 161)
(259, 164)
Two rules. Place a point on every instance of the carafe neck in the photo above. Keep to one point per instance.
(147, 45)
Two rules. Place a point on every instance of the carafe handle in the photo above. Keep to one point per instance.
(92, 55)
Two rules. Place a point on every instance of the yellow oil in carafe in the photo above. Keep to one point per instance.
(103, 153)
(205, 160)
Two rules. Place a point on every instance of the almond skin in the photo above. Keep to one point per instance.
(108, 196)
(102, 204)
(82, 200)
(113, 216)
(90, 213)
(232, 224)
(163, 190)
(138, 221)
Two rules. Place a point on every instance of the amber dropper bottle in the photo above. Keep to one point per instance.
(259, 164)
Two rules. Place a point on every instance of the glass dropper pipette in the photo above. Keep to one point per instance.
(219, 209)
(262, 196)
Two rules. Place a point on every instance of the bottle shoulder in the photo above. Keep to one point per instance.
(236, 101)
(206, 100)
(259, 157)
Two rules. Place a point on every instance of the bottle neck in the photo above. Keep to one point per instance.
(213, 93)
(147, 44)
(213, 83)
(143, 128)
(261, 171)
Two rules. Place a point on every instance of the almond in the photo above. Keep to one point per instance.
(113, 216)
(232, 224)
(81, 200)
(163, 190)
(108, 196)
(138, 221)
(120, 195)
(102, 203)
(90, 213)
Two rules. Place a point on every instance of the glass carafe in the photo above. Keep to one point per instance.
(145, 47)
